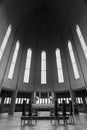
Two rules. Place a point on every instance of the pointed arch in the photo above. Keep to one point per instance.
(43, 67)
(59, 66)
(27, 66)
(73, 60)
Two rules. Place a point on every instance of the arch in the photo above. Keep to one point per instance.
(27, 66)
(59, 66)
(43, 67)
(73, 60)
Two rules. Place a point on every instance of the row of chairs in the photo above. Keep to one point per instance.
(30, 116)
(67, 118)
(54, 114)
(29, 119)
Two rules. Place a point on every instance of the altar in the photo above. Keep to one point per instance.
(43, 107)
(43, 110)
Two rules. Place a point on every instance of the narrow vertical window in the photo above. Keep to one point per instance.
(4, 42)
(12, 67)
(43, 67)
(82, 41)
(75, 68)
(27, 66)
(59, 66)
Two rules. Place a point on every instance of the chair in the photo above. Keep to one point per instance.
(64, 113)
(71, 115)
(34, 116)
(52, 114)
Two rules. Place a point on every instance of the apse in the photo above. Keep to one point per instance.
(43, 51)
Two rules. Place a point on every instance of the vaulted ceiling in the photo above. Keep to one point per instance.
(61, 8)
(46, 12)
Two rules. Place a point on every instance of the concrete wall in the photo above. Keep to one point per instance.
(79, 18)
(7, 18)
(41, 37)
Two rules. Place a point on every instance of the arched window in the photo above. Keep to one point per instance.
(27, 66)
(74, 65)
(82, 41)
(43, 67)
(59, 66)
(12, 67)
(4, 42)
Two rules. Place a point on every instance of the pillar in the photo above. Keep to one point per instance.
(70, 85)
(35, 97)
(12, 105)
(32, 97)
(52, 97)
(48, 98)
(39, 96)
(84, 103)
(53, 94)
(2, 103)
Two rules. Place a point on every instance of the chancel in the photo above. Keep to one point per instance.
(43, 64)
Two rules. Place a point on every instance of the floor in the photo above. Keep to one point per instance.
(13, 123)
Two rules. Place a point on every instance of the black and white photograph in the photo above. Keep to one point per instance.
(43, 64)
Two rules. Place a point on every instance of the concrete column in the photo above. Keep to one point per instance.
(12, 106)
(35, 97)
(32, 97)
(53, 97)
(72, 95)
(84, 103)
(47, 97)
(70, 85)
(14, 95)
(39, 96)
(53, 94)
(2, 104)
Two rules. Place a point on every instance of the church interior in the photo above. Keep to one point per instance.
(43, 64)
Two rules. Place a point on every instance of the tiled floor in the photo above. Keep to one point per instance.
(13, 123)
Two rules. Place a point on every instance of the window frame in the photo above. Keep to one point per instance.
(73, 61)
(59, 66)
(43, 68)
